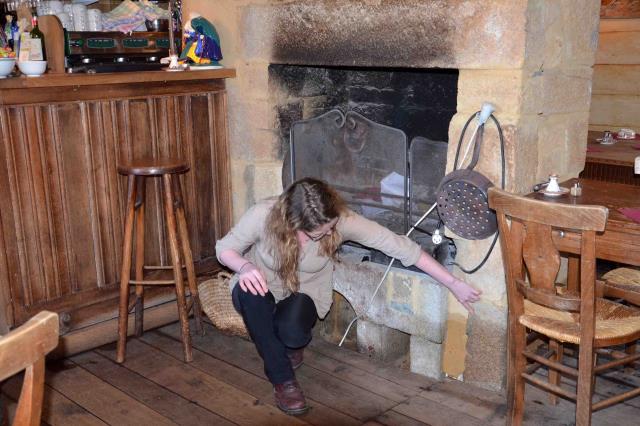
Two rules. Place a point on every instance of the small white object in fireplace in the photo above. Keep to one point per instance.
(392, 184)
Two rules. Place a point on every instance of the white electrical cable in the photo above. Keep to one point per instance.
(384, 276)
(470, 144)
(415, 225)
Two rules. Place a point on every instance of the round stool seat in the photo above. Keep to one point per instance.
(153, 166)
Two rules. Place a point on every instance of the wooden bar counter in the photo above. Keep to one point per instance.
(62, 201)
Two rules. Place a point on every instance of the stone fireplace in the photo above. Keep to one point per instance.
(531, 58)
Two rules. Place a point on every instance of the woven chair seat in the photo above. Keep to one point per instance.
(613, 321)
(623, 277)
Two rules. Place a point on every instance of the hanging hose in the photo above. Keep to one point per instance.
(503, 183)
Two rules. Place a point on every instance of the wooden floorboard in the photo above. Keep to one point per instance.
(202, 388)
(169, 404)
(225, 385)
(433, 414)
(99, 398)
(471, 400)
(257, 386)
(57, 410)
(319, 386)
(393, 418)
(406, 379)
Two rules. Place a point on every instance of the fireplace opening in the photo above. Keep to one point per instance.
(378, 135)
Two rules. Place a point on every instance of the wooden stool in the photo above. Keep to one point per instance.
(137, 172)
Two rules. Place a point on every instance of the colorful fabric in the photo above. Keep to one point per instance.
(631, 213)
(130, 16)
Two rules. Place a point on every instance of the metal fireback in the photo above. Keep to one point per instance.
(356, 156)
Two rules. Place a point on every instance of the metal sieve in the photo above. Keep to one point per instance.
(463, 203)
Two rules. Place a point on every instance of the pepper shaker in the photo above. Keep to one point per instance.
(576, 189)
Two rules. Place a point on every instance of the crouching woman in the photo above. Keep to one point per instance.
(283, 252)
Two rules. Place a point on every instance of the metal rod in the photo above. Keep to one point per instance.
(172, 30)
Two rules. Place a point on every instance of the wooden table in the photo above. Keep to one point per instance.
(611, 163)
(620, 241)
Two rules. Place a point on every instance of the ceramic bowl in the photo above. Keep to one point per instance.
(32, 68)
(6, 66)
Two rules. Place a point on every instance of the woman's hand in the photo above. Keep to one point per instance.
(251, 279)
(465, 294)
(461, 290)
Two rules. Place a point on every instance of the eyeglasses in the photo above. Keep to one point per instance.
(317, 237)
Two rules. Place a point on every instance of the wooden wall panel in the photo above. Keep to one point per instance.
(54, 202)
(62, 217)
(616, 79)
(8, 267)
(24, 205)
(76, 170)
(615, 102)
(204, 229)
(220, 163)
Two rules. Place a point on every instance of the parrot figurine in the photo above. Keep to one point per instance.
(200, 43)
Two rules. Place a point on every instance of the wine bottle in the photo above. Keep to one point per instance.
(37, 51)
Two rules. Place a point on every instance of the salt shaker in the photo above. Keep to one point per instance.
(576, 189)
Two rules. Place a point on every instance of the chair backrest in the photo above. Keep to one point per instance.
(25, 349)
(527, 231)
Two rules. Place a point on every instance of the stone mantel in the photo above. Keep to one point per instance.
(403, 33)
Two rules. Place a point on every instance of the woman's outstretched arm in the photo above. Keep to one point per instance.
(461, 290)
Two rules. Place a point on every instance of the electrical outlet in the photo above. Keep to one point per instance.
(636, 168)
(436, 238)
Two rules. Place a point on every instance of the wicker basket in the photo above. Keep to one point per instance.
(215, 298)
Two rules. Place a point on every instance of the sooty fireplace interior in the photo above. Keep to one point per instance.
(378, 136)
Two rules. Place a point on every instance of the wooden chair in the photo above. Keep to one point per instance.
(528, 229)
(25, 349)
(624, 283)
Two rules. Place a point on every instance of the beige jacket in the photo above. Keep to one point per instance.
(248, 237)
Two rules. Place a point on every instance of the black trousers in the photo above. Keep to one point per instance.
(276, 328)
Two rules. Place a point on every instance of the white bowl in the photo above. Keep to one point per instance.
(32, 68)
(6, 66)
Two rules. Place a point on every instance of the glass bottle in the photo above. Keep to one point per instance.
(38, 52)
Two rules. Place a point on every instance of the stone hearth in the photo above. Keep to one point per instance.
(531, 58)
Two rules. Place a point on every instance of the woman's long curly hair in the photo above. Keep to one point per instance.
(306, 205)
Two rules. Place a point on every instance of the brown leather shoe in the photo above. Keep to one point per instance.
(289, 398)
(296, 356)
